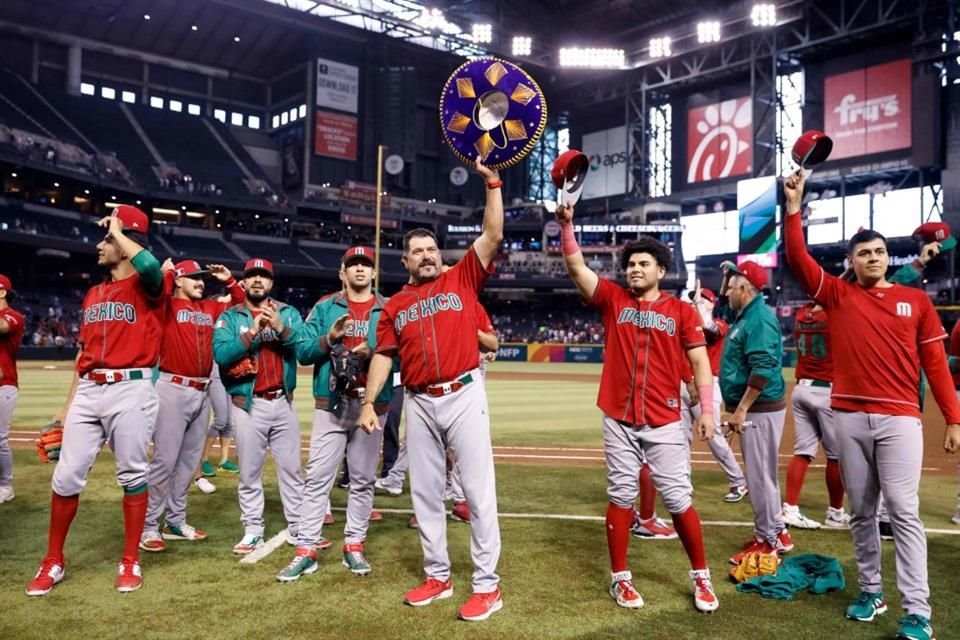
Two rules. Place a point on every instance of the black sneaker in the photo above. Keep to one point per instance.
(886, 531)
(343, 483)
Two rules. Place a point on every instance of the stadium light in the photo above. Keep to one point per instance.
(708, 31)
(193, 27)
(483, 33)
(593, 58)
(236, 38)
(522, 45)
(146, 16)
(764, 15)
(660, 47)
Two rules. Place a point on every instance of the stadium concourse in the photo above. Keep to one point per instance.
(710, 250)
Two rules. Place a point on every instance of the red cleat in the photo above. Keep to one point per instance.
(129, 577)
(481, 606)
(431, 589)
(50, 574)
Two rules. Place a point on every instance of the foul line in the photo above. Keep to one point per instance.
(266, 549)
(576, 518)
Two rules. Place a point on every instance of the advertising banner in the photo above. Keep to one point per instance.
(757, 203)
(869, 110)
(512, 352)
(607, 152)
(335, 136)
(338, 85)
(720, 140)
(584, 353)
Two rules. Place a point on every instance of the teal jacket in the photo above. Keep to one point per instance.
(313, 347)
(232, 341)
(752, 357)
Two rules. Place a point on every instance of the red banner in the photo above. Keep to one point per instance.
(868, 110)
(362, 193)
(335, 136)
(720, 140)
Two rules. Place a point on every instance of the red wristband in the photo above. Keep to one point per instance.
(494, 185)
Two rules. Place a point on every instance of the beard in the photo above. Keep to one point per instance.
(257, 297)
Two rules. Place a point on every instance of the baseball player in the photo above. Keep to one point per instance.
(882, 334)
(186, 357)
(255, 345)
(715, 330)
(343, 318)
(11, 334)
(813, 420)
(432, 325)
(221, 430)
(751, 381)
(112, 398)
(648, 333)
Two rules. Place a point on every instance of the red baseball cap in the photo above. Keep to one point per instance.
(812, 147)
(705, 293)
(935, 232)
(5, 283)
(568, 173)
(354, 254)
(189, 269)
(132, 218)
(258, 265)
(753, 272)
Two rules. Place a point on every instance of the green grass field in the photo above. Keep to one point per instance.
(554, 571)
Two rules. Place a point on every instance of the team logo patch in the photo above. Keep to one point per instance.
(904, 309)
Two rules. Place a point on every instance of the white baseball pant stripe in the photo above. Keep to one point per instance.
(178, 440)
(718, 444)
(459, 421)
(122, 414)
(269, 424)
(813, 422)
(8, 402)
(665, 449)
(333, 435)
(879, 452)
(760, 443)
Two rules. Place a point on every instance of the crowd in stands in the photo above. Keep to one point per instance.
(42, 150)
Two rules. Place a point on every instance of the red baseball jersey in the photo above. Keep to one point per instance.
(187, 326)
(121, 326)
(877, 334)
(9, 343)
(814, 359)
(483, 320)
(269, 359)
(646, 344)
(359, 331)
(954, 350)
(433, 326)
(715, 345)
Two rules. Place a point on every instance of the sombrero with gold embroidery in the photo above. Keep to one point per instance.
(493, 108)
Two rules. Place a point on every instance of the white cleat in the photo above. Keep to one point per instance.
(704, 597)
(792, 517)
(836, 519)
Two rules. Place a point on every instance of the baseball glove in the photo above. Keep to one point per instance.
(51, 437)
(346, 367)
(755, 564)
(246, 367)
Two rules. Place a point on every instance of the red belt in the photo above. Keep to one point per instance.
(269, 395)
(444, 388)
(194, 383)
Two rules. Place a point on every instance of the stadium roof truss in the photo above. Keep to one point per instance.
(402, 19)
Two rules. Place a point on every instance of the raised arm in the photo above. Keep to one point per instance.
(817, 283)
(583, 277)
(489, 241)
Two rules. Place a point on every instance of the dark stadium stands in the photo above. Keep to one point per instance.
(282, 252)
(14, 89)
(208, 247)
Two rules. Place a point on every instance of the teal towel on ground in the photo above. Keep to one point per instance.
(809, 571)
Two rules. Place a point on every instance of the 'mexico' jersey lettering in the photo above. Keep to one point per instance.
(647, 320)
(110, 311)
(428, 307)
(358, 329)
(184, 316)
